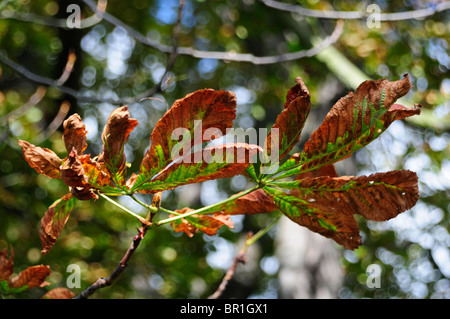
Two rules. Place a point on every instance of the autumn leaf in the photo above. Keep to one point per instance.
(256, 202)
(210, 225)
(326, 205)
(33, 276)
(72, 173)
(58, 293)
(327, 170)
(74, 135)
(114, 137)
(54, 221)
(353, 122)
(214, 162)
(43, 160)
(290, 121)
(215, 110)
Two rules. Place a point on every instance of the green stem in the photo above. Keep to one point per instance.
(262, 232)
(165, 210)
(205, 209)
(140, 218)
(150, 208)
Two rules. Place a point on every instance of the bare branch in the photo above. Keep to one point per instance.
(226, 56)
(67, 69)
(240, 258)
(54, 22)
(34, 99)
(357, 15)
(57, 121)
(69, 91)
(105, 282)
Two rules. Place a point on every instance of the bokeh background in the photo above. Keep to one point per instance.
(111, 65)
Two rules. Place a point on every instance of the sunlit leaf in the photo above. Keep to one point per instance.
(215, 110)
(289, 123)
(353, 122)
(74, 135)
(43, 160)
(114, 137)
(73, 175)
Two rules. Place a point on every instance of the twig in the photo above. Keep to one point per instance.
(69, 91)
(226, 56)
(241, 258)
(175, 36)
(34, 99)
(55, 123)
(105, 282)
(357, 15)
(67, 69)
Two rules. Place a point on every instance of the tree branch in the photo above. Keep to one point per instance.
(105, 282)
(357, 15)
(241, 258)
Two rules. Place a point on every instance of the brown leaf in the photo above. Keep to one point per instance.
(54, 221)
(6, 264)
(96, 173)
(354, 121)
(74, 134)
(327, 170)
(216, 110)
(210, 225)
(256, 202)
(114, 137)
(59, 293)
(43, 160)
(290, 121)
(182, 225)
(73, 175)
(33, 276)
(328, 204)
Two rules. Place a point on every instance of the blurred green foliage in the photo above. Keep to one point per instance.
(413, 252)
